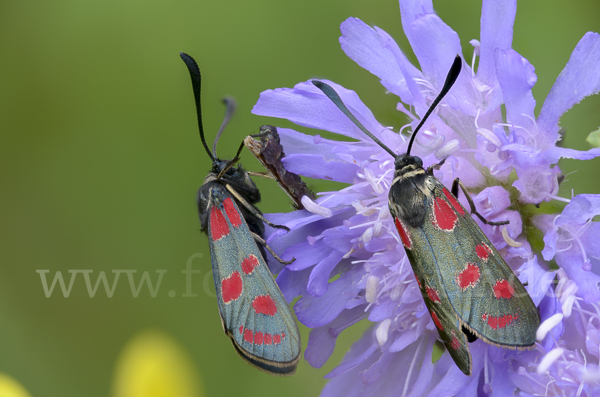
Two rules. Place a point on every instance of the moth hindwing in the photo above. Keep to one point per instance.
(254, 312)
(469, 290)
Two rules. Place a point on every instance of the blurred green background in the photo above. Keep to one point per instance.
(101, 162)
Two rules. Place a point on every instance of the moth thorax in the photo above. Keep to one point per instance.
(408, 171)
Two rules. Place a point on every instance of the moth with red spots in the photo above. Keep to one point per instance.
(469, 290)
(253, 311)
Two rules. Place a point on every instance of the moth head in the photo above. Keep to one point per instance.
(407, 161)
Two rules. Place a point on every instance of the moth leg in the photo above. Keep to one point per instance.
(264, 174)
(253, 210)
(435, 167)
(262, 242)
(264, 131)
(457, 182)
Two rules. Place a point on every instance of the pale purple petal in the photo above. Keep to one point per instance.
(582, 208)
(306, 105)
(579, 78)
(317, 311)
(322, 339)
(452, 382)
(292, 284)
(516, 88)
(497, 19)
(408, 70)
(456, 167)
(369, 49)
(385, 309)
(306, 255)
(538, 279)
(587, 281)
(315, 166)
(549, 306)
(357, 375)
(413, 9)
(552, 155)
(501, 384)
(436, 45)
(298, 143)
(537, 183)
(319, 277)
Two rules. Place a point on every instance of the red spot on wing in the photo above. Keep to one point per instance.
(455, 344)
(444, 216)
(502, 289)
(454, 202)
(258, 338)
(241, 329)
(264, 304)
(268, 339)
(483, 251)
(232, 212)
(418, 282)
(468, 277)
(249, 264)
(231, 287)
(500, 321)
(248, 336)
(218, 224)
(404, 234)
(433, 295)
(277, 339)
(436, 320)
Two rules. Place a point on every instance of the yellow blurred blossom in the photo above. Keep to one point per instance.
(152, 364)
(9, 387)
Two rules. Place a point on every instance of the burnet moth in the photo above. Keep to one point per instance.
(469, 290)
(253, 311)
(266, 147)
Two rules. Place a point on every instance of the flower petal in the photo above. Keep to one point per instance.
(516, 87)
(319, 277)
(317, 311)
(582, 208)
(435, 44)
(579, 78)
(292, 284)
(364, 46)
(322, 339)
(308, 106)
(316, 166)
(497, 20)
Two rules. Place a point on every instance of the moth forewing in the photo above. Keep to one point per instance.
(253, 310)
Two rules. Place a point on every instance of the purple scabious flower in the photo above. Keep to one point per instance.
(350, 264)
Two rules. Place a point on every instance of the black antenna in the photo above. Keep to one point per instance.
(335, 98)
(195, 75)
(230, 106)
(450, 80)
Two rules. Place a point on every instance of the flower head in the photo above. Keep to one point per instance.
(350, 263)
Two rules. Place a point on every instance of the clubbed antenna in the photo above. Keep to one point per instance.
(196, 79)
(450, 80)
(335, 98)
(230, 106)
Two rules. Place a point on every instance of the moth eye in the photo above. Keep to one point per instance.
(418, 160)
